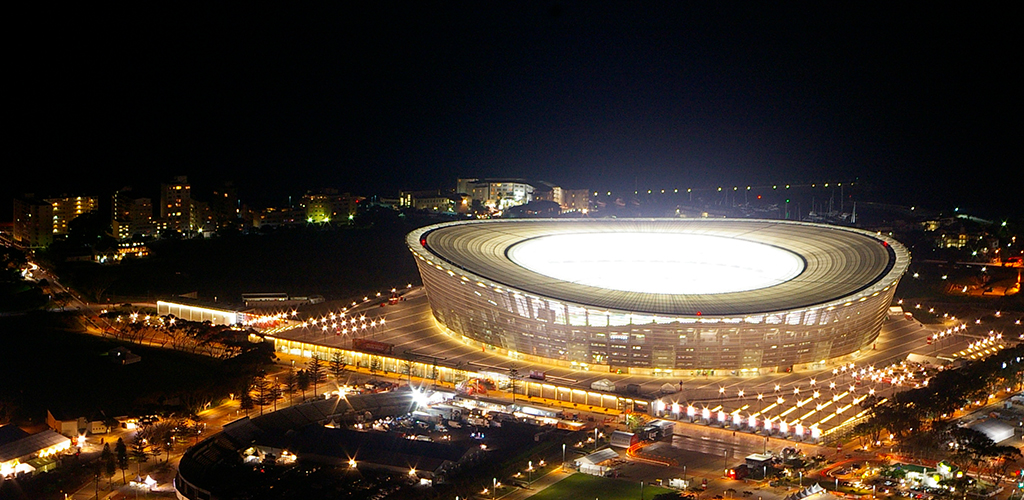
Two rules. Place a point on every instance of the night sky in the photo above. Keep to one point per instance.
(586, 95)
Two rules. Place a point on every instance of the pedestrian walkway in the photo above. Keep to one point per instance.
(540, 484)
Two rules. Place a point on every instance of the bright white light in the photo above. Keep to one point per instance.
(658, 262)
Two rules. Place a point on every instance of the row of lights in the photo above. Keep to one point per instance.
(734, 188)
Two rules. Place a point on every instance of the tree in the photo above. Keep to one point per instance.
(263, 392)
(122, 458)
(338, 365)
(163, 434)
(110, 467)
(302, 382)
(110, 423)
(246, 402)
(109, 463)
(291, 382)
(137, 448)
(317, 375)
(61, 299)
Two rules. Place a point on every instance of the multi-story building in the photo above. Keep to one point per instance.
(134, 217)
(33, 222)
(496, 194)
(176, 205)
(121, 204)
(225, 207)
(328, 205)
(68, 208)
(434, 200)
(275, 217)
(569, 200)
(575, 200)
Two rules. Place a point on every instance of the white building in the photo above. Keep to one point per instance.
(497, 194)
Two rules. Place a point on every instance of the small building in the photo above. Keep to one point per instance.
(758, 465)
(597, 463)
(928, 476)
(621, 439)
(73, 427)
(65, 424)
(122, 356)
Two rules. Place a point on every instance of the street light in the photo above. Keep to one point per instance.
(494, 486)
(563, 457)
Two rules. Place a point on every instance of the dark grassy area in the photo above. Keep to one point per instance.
(335, 263)
(929, 286)
(17, 295)
(46, 364)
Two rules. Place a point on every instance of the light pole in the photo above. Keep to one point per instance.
(529, 469)
(563, 457)
(801, 479)
(512, 372)
(641, 490)
(494, 487)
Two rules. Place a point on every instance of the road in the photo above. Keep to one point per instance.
(411, 328)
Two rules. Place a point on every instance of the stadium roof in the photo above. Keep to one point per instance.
(835, 265)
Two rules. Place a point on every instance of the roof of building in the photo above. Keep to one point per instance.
(840, 264)
(31, 444)
(598, 456)
(11, 433)
(994, 429)
(222, 306)
(386, 449)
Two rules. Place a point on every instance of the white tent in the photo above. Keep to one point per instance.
(603, 385)
(590, 464)
(995, 430)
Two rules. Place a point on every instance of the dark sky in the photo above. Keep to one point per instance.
(588, 94)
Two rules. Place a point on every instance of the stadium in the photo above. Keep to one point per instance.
(660, 296)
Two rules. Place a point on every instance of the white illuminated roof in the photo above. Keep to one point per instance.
(669, 263)
(684, 267)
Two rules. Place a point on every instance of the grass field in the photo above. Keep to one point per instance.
(48, 365)
(585, 487)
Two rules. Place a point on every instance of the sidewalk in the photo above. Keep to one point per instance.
(538, 485)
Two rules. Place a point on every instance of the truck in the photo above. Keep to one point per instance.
(657, 429)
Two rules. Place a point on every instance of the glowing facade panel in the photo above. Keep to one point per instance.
(834, 303)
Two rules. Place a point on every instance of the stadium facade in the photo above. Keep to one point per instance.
(661, 296)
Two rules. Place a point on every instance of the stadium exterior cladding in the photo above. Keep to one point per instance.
(831, 307)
